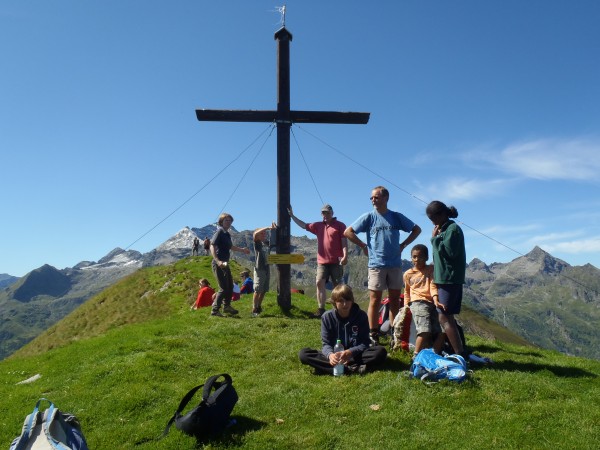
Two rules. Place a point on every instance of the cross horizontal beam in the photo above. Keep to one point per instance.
(237, 115)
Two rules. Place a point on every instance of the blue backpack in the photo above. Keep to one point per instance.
(429, 366)
(52, 430)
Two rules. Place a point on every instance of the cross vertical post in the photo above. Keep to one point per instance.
(283, 117)
(284, 296)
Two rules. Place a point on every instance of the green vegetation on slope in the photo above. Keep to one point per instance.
(122, 362)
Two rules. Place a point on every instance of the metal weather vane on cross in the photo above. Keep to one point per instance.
(284, 118)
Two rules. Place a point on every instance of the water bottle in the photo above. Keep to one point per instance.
(338, 369)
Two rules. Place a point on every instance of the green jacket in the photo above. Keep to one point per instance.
(449, 256)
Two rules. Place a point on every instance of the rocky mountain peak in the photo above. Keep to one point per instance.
(118, 257)
(477, 265)
(182, 239)
(545, 262)
(205, 232)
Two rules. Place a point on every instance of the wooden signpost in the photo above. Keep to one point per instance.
(292, 258)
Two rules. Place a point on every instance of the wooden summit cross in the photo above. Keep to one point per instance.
(284, 118)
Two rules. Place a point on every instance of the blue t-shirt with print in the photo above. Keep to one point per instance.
(383, 236)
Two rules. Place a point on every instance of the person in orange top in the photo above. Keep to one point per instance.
(420, 293)
(205, 295)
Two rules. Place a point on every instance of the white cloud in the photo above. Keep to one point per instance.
(551, 159)
(553, 237)
(575, 247)
(469, 189)
(567, 242)
(511, 229)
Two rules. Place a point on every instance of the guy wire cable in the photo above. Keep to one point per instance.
(271, 126)
(307, 168)
(362, 165)
(426, 203)
(247, 170)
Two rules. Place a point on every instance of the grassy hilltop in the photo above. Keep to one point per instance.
(124, 359)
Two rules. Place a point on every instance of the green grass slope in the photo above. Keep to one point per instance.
(123, 361)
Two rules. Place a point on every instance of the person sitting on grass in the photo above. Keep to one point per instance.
(247, 286)
(421, 295)
(206, 295)
(350, 324)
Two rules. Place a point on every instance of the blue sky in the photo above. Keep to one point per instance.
(493, 107)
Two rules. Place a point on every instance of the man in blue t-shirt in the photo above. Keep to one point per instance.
(382, 227)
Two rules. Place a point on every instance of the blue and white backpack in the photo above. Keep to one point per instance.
(429, 366)
(52, 430)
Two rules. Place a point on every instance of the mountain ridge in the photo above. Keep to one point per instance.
(500, 291)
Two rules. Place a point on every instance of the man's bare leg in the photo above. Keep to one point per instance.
(394, 296)
(321, 293)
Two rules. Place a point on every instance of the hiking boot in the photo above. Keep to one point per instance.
(374, 336)
(216, 313)
(229, 309)
(359, 369)
(318, 314)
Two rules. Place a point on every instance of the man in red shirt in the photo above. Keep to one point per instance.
(332, 252)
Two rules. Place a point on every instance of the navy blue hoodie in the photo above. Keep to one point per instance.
(352, 331)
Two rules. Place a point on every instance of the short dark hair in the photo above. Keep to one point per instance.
(422, 248)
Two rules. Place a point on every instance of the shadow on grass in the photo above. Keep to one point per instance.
(393, 365)
(483, 348)
(559, 371)
(233, 436)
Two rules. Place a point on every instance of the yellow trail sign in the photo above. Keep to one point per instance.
(280, 258)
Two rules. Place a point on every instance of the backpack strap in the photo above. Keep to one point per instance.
(50, 415)
(184, 401)
(205, 394)
(210, 383)
(28, 426)
(31, 422)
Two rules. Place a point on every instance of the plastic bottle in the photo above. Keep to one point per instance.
(338, 369)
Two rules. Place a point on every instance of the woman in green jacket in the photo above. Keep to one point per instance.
(449, 262)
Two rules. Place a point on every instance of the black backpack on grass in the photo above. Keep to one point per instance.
(211, 416)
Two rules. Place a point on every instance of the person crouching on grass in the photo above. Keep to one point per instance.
(350, 324)
(421, 295)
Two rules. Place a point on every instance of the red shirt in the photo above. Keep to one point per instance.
(329, 240)
(204, 297)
